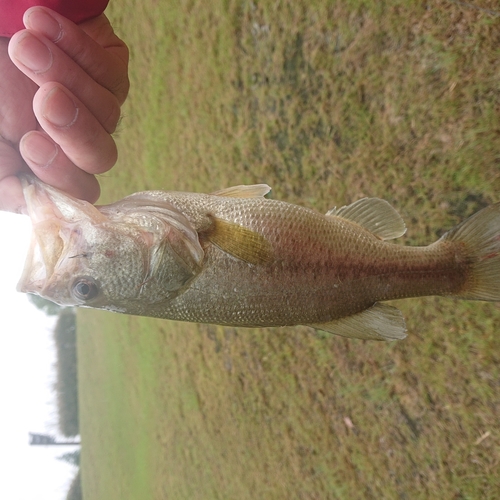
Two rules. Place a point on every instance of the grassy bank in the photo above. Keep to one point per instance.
(326, 102)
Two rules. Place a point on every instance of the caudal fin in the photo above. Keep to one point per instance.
(480, 237)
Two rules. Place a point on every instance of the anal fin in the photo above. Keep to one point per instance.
(379, 322)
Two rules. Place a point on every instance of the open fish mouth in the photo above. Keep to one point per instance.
(54, 217)
(46, 244)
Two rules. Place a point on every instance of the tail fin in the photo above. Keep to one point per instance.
(480, 237)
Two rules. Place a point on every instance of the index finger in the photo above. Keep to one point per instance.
(93, 45)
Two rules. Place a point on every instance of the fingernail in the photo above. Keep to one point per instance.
(38, 149)
(40, 20)
(59, 109)
(32, 53)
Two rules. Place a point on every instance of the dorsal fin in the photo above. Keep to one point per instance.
(376, 215)
(240, 242)
(251, 191)
(379, 322)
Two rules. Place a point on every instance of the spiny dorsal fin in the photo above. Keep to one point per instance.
(379, 322)
(375, 215)
(252, 191)
(240, 242)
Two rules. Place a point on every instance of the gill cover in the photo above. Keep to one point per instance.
(175, 253)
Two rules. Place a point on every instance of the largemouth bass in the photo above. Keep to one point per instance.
(236, 258)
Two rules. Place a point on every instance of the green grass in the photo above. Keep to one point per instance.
(326, 102)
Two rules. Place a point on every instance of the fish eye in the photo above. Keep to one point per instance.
(84, 289)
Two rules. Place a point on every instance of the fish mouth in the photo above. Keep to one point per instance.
(55, 218)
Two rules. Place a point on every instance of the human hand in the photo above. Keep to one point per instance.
(61, 130)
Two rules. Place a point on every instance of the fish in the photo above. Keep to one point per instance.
(239, 258)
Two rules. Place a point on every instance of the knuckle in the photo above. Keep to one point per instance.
(99, 153)
(111, 116)
(121, 89)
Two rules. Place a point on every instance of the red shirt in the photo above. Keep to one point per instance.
(11, 11)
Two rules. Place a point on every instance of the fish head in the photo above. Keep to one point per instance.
(100, 257)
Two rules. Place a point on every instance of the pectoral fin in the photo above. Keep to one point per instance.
(376, 215)
(379, 322)
(240, 242)
(252, 191)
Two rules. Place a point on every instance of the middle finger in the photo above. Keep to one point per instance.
(43, 62)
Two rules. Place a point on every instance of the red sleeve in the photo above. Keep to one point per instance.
(11, 11)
